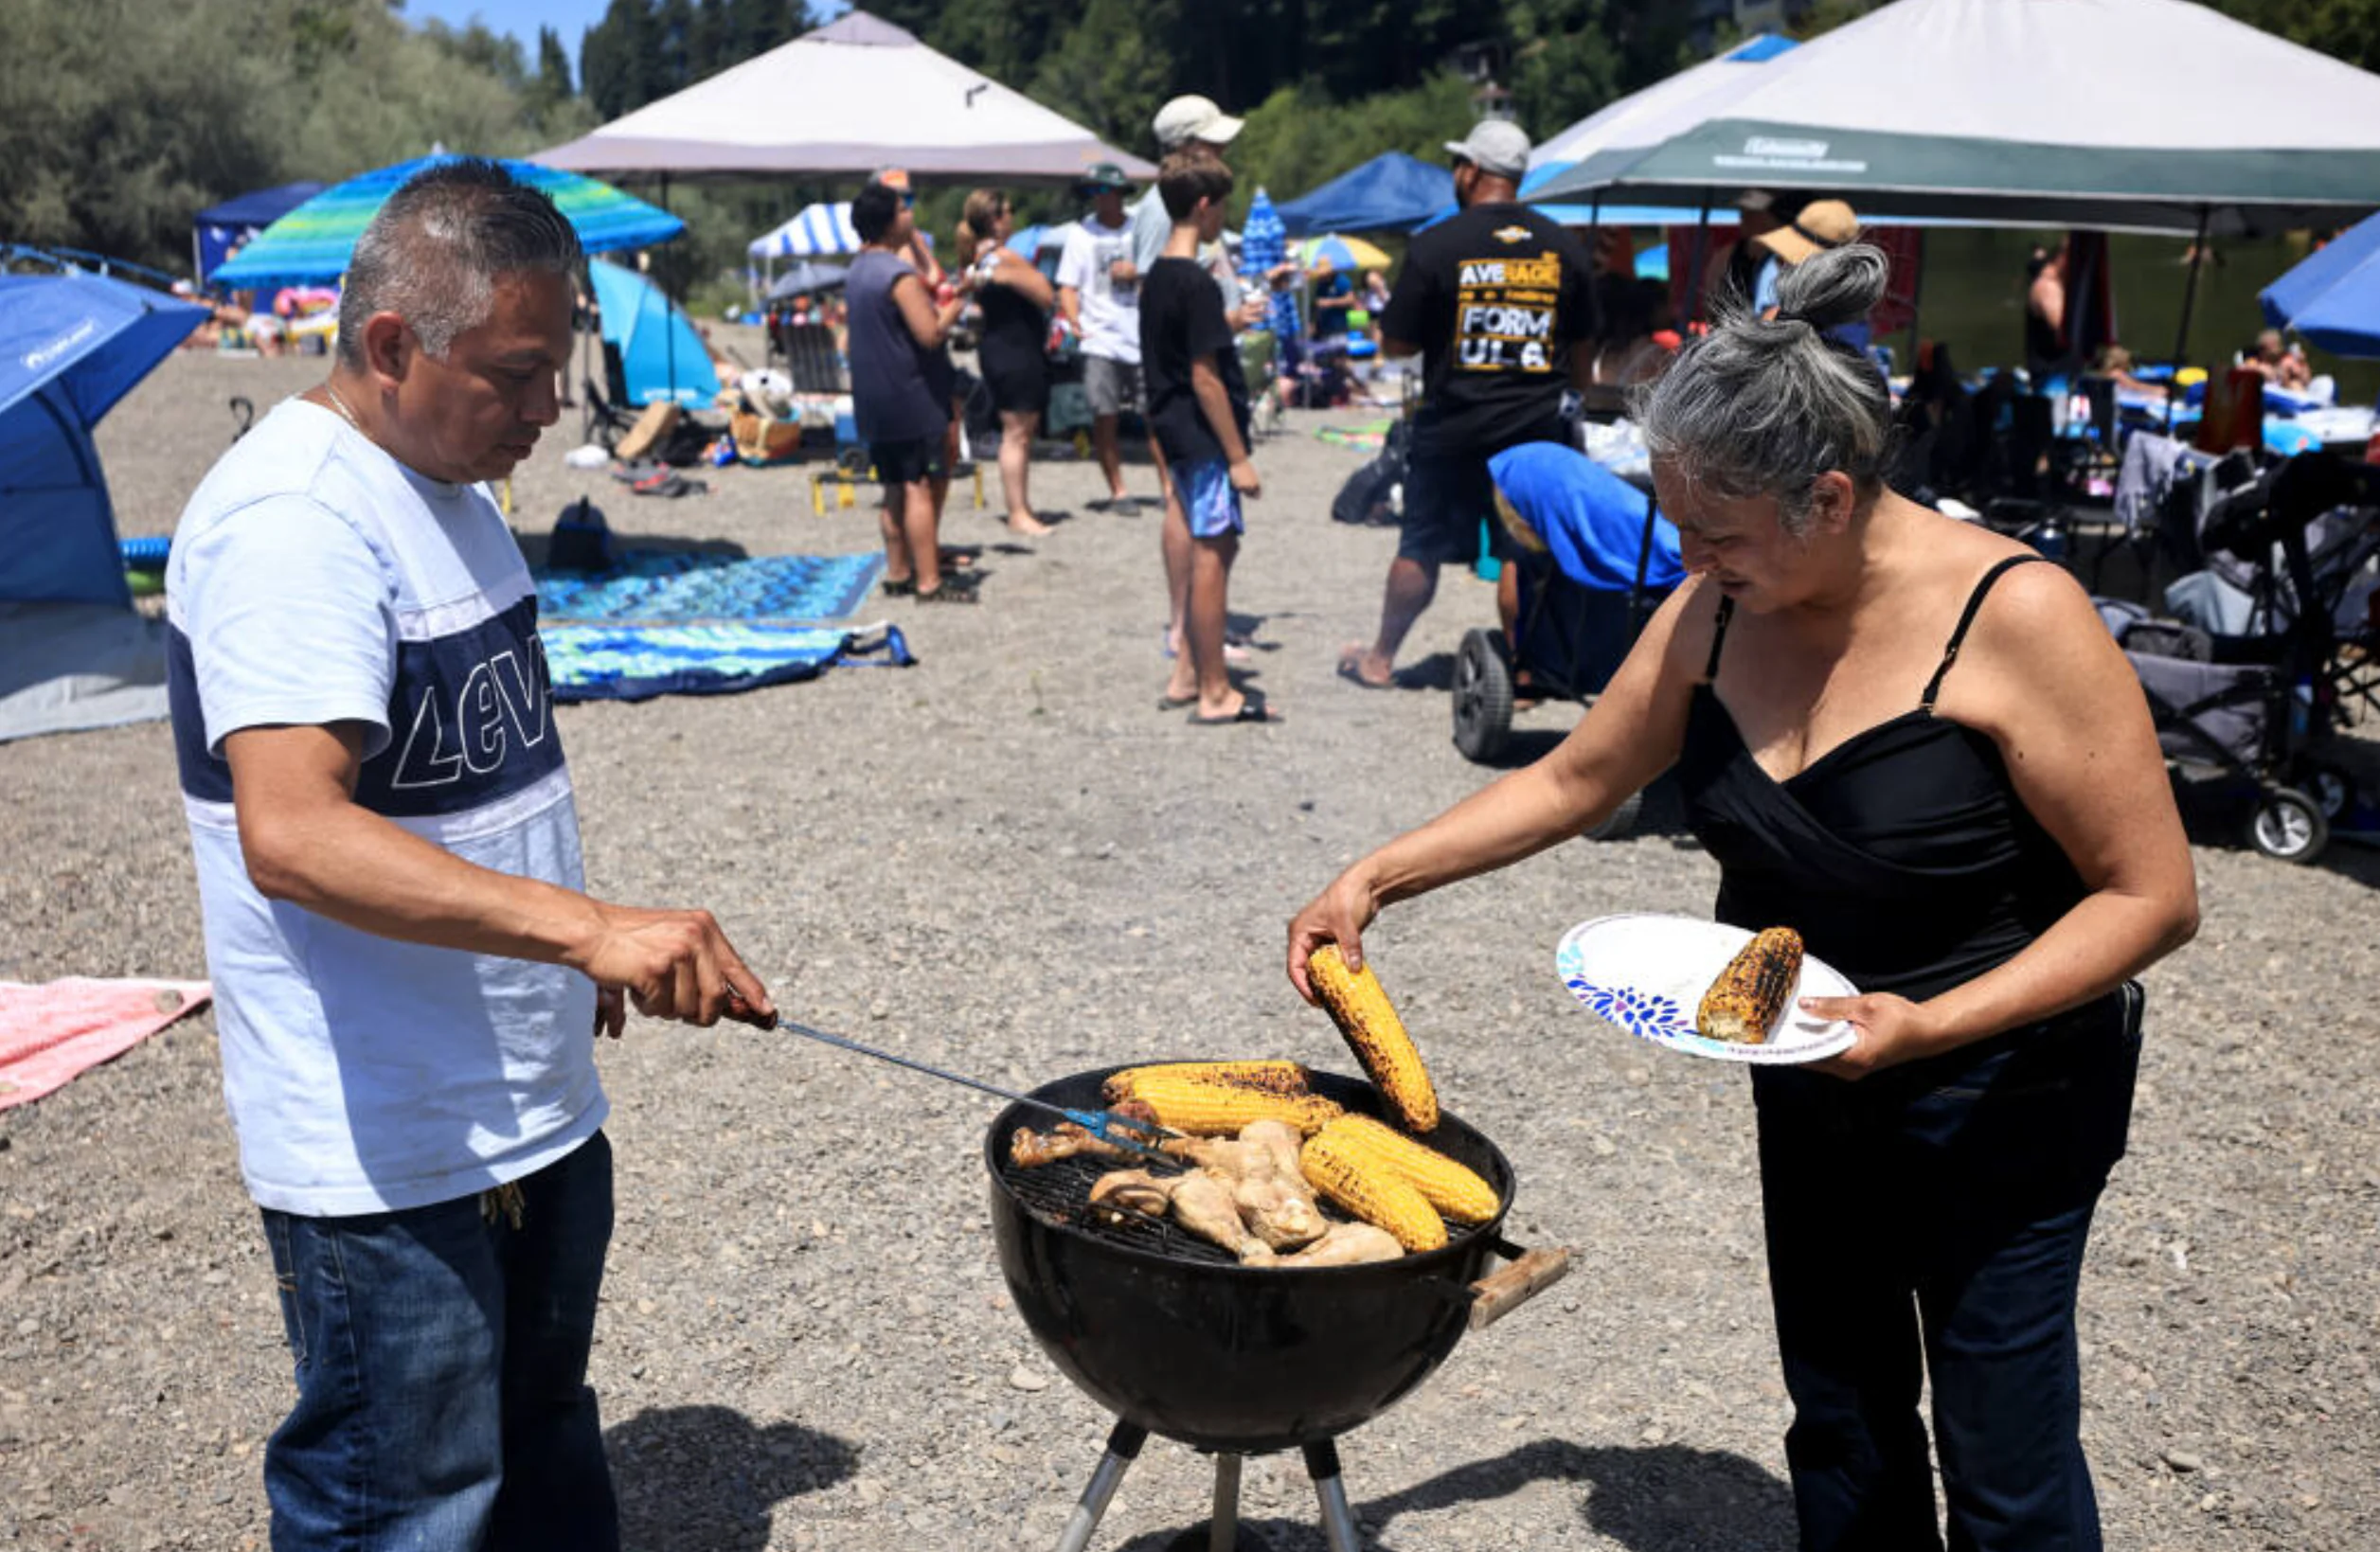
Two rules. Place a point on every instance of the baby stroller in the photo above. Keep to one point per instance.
(1595, 560)
(2260, 706)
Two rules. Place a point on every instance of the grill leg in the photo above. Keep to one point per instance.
(1338, 1520)
(1122, 1446)
(1222, 1532)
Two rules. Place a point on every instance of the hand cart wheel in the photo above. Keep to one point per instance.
(2288, 825)
(1483, 696)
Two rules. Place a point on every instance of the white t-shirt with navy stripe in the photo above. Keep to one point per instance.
(315, 579)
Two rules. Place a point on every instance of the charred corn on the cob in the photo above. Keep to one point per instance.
(1356, 1179)
(1456, 1192)
(1376, 1035)
(1745, 1001)
(1220, 1109)
(1272, 1077)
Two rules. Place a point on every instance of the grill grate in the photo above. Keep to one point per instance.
(1059, 1193)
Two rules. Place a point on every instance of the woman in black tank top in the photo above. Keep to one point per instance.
(1926, 756)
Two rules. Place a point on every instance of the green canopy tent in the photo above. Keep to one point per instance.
(2114, 115)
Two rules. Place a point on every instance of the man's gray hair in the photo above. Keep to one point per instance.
(433, 252)
(1763, 407)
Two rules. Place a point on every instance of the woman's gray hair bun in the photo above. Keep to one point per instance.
(1764, 406)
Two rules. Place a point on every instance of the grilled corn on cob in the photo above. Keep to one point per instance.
(1376, 1035)
(1356, 1179)
(1286, 1077)
(1456, 1192)
(1745, 1001)
(1220, 1109)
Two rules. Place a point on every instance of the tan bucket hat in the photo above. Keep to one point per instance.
(1823, 223)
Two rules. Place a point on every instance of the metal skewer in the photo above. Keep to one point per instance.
(1105, 1125)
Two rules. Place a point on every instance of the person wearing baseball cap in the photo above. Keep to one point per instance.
(1495, 299)
(1186, 124)
(1099, 291)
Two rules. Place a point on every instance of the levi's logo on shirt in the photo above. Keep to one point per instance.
(502, 698)
(470, 719)
(1504, 313)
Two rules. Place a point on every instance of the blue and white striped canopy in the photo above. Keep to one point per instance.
(819, 232)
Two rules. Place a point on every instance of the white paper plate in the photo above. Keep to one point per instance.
(1647, 975)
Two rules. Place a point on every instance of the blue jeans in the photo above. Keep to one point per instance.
(442, 1401)
(1930, 1222)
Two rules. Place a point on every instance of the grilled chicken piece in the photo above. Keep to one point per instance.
(1132, 1190)
(1199, 1202)
(1348, 1245)
(1279, 1214)
(1219, 1156)
(1204, 1206)
(1028, 1149)
(1282, 1141)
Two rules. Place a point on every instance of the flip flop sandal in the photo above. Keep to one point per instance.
(1175, 703)
(1233, 653)
(900, 589)
(1355, 676)
(952, 590)
(1252, 709)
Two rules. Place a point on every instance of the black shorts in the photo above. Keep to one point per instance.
(1019, 379)
(907, 462)
(1446, 498)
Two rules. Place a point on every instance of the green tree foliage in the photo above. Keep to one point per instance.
(643, 50)
(120, 120)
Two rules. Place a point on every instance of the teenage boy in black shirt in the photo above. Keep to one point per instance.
(1198, 410)
(1495, 300)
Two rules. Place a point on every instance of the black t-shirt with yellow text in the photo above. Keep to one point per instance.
(1496, 297)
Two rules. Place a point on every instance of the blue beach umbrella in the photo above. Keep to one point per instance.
(2333, 298)
(313, 244)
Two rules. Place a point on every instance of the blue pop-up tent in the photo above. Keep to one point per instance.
(1392, 192)
(73, 652)
(659, 351)
(221, 227)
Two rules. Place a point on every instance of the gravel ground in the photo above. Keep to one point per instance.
(1005, 859)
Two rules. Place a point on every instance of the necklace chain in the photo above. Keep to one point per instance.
(340, 404)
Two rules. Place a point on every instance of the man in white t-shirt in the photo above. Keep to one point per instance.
(1099, 291)
(408, 977)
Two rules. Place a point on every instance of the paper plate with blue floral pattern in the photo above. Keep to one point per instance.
(1647, 973)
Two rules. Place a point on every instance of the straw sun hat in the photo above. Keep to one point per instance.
(1821, 225)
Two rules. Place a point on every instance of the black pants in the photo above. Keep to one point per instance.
(1932, 1223)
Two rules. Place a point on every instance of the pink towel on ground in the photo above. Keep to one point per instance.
(50, 1032)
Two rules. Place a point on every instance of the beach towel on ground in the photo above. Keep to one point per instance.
(591, 661)
(53, 1031)
(1367, 438)
(655, 586)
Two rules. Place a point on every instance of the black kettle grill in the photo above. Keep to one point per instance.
(1176, 1337)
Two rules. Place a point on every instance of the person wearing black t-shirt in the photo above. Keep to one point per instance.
(1495, 300)
(1198, 412)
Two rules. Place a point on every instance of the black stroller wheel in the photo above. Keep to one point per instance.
(2287, 825)
(1483, 696)
(2329, 785)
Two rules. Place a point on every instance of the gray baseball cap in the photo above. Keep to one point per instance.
(1495, 146)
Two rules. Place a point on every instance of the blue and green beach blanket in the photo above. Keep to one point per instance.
(675, 622)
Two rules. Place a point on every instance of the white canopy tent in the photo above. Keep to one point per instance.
(853, 96)
(1639, 121)
(2119, 114)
